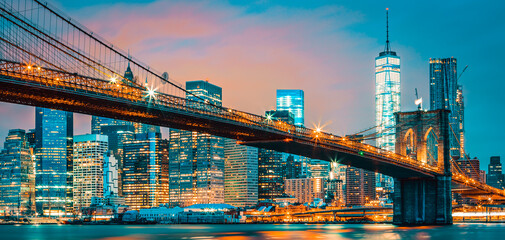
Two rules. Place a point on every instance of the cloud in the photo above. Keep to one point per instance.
(250, 55)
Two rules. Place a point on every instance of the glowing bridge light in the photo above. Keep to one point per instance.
(113, 79)
(151, 93)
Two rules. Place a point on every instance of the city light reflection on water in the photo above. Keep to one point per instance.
(252, 231)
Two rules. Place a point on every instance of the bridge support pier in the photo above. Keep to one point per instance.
(422, 201)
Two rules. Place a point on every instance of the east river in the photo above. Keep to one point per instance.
(253, 231)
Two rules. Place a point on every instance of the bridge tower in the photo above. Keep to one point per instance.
(424, 136)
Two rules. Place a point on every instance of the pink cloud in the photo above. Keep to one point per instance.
(252, 55)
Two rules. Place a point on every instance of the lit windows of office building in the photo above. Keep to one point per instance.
(90, 152)
(145, 181)
(292, 100)
(272, 164)
(305, 190)
(197, 159)
(387, 100)
(495, 175)
(445, 93)
(53, 152)
(360, 186)
(17, 177)
(240, 174)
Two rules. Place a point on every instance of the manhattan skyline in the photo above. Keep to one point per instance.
(325, 50)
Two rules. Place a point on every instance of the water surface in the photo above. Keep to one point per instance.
(253, 231)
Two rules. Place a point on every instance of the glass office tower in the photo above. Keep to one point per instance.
(197, 159)
(292, 100)
(53, 152)
(17, 179)
(445, 93)
(387, 101)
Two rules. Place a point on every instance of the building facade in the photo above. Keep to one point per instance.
(305, 190)
(145, 174)
(360, 186)
(292, 100)
(470, 167)
(53, 152)
(272, 168)
(197, 159)
(240, 174)
(495, 175)
(387, 100)
(445, 93)
(17, 176)
(89, 157)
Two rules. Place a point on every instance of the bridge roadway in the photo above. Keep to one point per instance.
(37, 86)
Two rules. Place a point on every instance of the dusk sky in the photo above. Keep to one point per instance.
(326, 48)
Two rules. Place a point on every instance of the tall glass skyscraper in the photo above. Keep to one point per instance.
(240, 174)
(292, 100)
(387, 101)
(197, 159)
(445, 93)
(145, 181)
(387, 95)
(53, 151)
(17, 179)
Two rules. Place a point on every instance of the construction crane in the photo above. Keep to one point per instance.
(464, 69)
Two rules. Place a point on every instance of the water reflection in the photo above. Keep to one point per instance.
(253, 231)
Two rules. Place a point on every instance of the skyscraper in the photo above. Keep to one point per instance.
(470, 167)
(197, 159)
(387, 100)
(495, 176)
(117, 135)
(445, 93)
(145, 181)
(387, 94)
(240, 174)
(272, 164)
(360, 186)
(89, 157)
(53, 151)
(17, 176)
(292, 100)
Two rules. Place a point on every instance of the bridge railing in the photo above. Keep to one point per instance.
(121, 90)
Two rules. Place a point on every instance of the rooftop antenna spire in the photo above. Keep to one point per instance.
(388, 47)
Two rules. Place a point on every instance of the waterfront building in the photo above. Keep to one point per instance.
(197, 159)
(305, 189)
(360, 186)
(334, 192)
(494, 174)
(240, 174)
(292, 100)
(387, 100)
(17, 176)
(145, 181)
(445, 93)
(89, 157)
(53, 153)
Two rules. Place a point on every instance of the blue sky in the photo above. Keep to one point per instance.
(325, 48)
